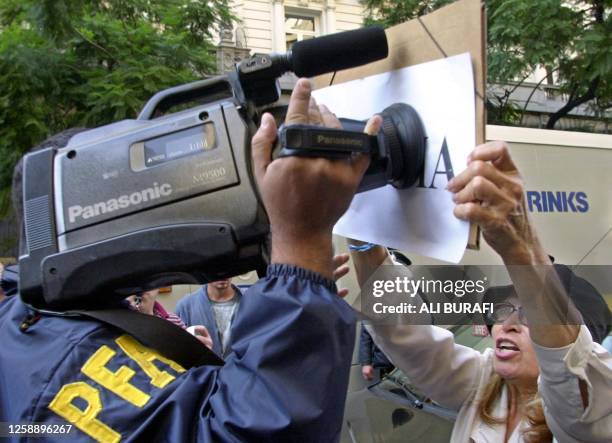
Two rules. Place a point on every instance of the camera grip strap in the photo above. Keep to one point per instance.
(168, 339)
(317, 141)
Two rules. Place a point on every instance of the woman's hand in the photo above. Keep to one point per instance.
(490, 192)
(340, 270)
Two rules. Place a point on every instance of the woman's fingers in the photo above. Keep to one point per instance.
(496, 152)
(340, 268)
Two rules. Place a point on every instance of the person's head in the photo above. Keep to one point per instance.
(221, 284)
(514, 365)
(514, 357)
(220, 290)
(145, 301)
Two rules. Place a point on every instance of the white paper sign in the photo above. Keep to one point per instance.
(419, 219)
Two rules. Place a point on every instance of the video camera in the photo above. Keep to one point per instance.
(167, 199)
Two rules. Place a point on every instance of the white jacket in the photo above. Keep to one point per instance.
(456, 376)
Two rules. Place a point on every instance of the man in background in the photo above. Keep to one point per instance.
(215, 307)
(371, 358)
(146, 303)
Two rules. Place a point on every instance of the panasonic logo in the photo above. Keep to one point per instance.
(114, 204)
(323, 139)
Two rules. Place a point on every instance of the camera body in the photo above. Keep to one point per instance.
(144, 203)
(170, 198)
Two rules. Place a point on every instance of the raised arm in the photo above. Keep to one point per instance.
(287, 376)
(575, 373)
(490, 193)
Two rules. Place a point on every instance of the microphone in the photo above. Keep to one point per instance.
(257, 74)
(335, 52)
(340, 51)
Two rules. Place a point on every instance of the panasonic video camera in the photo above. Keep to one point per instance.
(170, 198)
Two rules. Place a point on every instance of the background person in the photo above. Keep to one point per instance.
(546, 376)
(147, 303)
(371, 358)
(214, 306)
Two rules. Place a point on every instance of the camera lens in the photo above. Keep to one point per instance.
(401, 148)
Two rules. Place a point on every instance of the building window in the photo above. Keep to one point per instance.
(300, 27)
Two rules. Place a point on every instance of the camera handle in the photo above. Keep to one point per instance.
(397, 151)
(317, 141)
(204, 91)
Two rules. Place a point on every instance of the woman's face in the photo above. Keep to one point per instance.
(145, 302)
(515, 360)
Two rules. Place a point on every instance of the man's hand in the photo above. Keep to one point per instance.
(304, 197)
(490, 193)
(367, 371)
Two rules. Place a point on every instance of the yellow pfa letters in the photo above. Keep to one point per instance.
(117, 382)
(86, 419)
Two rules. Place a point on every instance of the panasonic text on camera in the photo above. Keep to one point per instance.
(121, 202)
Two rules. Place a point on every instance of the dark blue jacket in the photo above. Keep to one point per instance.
(285, 380)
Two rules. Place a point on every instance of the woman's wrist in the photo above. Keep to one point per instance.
(523, 253)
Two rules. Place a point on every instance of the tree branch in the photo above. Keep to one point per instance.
(572, 103)
(95, 45)
(533, 92)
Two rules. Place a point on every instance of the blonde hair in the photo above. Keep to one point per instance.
(537, 432)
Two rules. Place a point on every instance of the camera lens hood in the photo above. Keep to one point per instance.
(406, 143)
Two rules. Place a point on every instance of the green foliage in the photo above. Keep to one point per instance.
(66, 63)
(571, 38)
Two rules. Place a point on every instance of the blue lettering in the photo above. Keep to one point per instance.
(555, 201)
(533, 199)
(570, 201)
(583, 204)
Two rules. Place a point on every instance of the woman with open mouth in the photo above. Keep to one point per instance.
(547, 378)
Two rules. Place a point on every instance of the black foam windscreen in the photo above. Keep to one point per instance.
(338, 51)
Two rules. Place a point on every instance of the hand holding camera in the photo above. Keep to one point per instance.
(304, 196)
